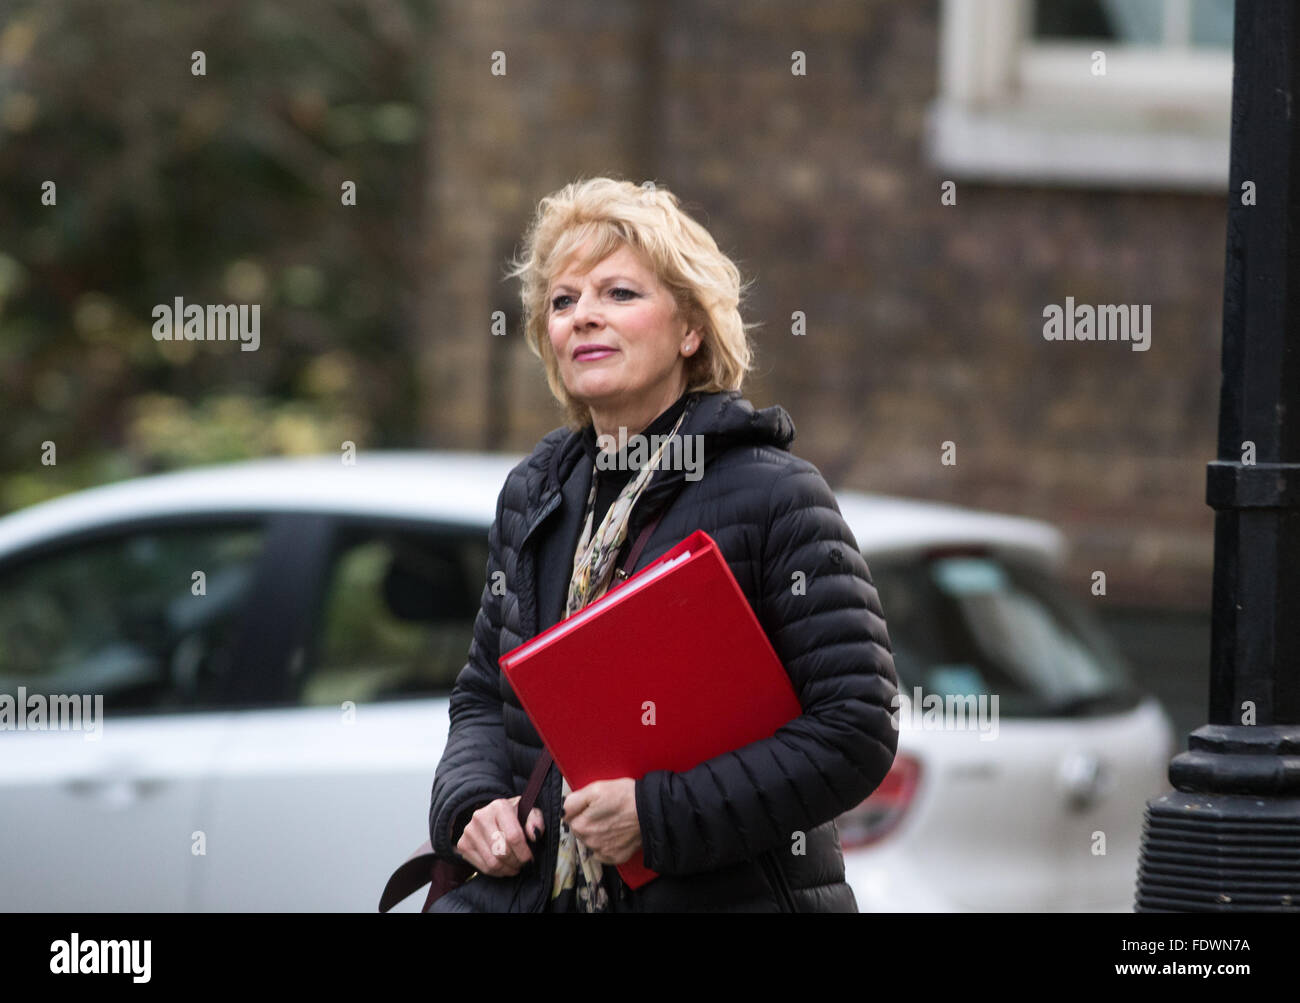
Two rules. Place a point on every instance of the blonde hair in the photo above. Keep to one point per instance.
(704, 282)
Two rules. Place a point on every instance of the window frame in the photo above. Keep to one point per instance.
(1011, 109)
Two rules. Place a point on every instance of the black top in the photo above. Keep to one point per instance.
(609, 482)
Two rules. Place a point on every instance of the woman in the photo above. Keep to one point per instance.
(635, 314)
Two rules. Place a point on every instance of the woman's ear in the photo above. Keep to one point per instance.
(692, 339)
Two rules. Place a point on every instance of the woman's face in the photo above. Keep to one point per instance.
(616, 335)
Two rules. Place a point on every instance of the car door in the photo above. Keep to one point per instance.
(143, 622)
(324, 789)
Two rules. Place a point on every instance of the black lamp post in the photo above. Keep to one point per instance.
(1228, 837)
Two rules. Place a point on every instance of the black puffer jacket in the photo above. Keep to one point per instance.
(714, 833)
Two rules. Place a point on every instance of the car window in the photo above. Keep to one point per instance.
(974, 624)
(126, 617)
(397, 616)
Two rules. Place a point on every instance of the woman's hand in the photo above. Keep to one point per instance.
(493, 841)
(603, 815)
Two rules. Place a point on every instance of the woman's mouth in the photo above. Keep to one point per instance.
(592, 353)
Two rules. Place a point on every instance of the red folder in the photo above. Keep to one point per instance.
(677, 644)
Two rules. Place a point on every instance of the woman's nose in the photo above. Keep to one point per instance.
(584, 311)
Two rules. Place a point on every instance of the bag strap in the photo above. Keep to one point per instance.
(544, 761)
(642, 539)
(534, 786)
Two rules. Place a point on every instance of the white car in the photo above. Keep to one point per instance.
(274, 643)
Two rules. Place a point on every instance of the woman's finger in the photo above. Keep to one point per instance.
(508, 840)
(489, 848)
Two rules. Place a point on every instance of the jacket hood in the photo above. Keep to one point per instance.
(723, 420)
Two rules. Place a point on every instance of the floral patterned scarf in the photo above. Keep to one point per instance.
(579, 876)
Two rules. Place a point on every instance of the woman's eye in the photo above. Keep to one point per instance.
(620, 293)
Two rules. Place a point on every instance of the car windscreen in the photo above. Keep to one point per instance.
(975, 624)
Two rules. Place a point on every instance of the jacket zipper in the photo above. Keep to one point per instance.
(777, 876)
(549, 506)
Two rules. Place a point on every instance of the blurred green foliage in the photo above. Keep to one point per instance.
(218, 188)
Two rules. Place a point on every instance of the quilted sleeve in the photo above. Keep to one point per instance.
(474, 769)
(830, 635)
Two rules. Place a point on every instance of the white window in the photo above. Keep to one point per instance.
(1126, 93)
